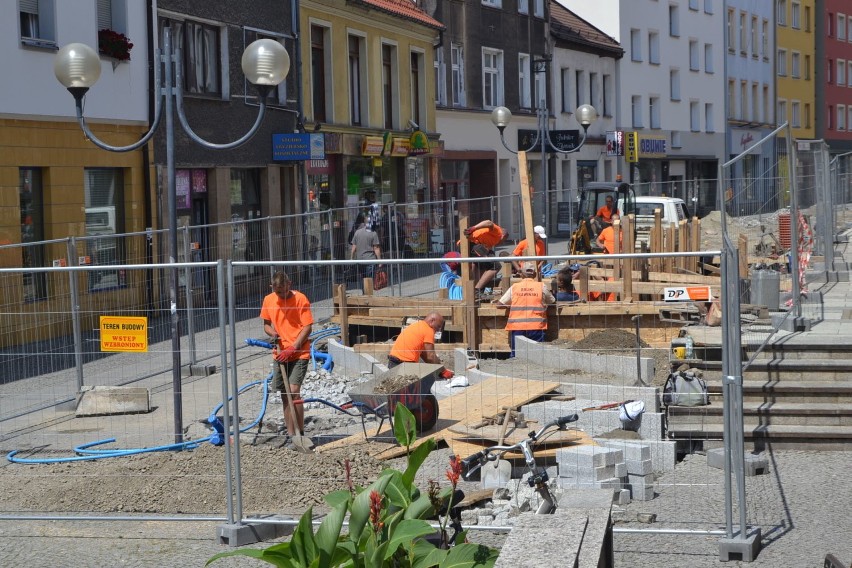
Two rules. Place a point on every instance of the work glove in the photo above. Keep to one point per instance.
(284, 355)
(447, 374)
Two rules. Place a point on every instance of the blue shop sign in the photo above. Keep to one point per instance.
(298, 146)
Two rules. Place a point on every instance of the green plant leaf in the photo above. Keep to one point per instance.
(397, 491)
(360, 511)
(375, 554)
(303, 546)
(416, 459)
(404, 426)
(470, 555)
(420, 508)
(405, 533)
(426, 554)
(328, 533)
(335, 498)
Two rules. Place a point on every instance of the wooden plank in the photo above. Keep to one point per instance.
(488, 396)
(629, 245)
(464, 448)
(695, 243)
(368, 286)
(395, 301)
(344, 314)
(668, 262)
(742, 246)
(526, 202)
(491, 434)
(411, 311)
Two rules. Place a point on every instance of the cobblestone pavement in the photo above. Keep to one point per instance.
(802, 506)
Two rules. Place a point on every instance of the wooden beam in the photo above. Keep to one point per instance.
(526, 203)
(695, 227)
(343, 313)
(629, 246)
(742, 246)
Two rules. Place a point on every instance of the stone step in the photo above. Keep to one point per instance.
(785, 369)
(789, 391)
(753, 430)
(781, 413)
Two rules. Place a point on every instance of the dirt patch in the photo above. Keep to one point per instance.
(604, 341)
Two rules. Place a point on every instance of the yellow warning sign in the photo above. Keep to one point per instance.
(124, 333)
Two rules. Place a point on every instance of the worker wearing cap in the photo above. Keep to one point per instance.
(540, 248)
(527, 301)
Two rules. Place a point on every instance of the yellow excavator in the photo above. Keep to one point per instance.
(592, 198)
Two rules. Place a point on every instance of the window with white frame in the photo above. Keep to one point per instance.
(493, 3)
(841, 117)
(539, 86)
(754, 38)
(607, 95)
(732, 99)
(440, 77)
(708, 58)
(694, 118)
(654, 111)
(38, 22)
(674, 20)
(112, 15)
(764, 40)
(492, 78)
(201, 50)
(694, 64)
(390, 86)
(709, 125)
(104, 205)
(565, 88)
(594, 90)
(743, 33)
(795, 65)
(635, 45)
(674, 84)
(523, 6)
(636, 111)
(781, 12)
(693, 5)
(795, 15)
(654, 48)
(538, 8)
(781, 62)
(579, 88)
(841, 27)
(277, 96)
(524, 94)
(841, 72)
(849, 73)
(744, 100)
(457, 74)
(732, 37)
(795, 119)
(708, 6)
(755, 102)
(849, 28)
(781, 113)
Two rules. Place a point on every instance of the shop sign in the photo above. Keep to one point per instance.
(387, 137)
(372, 146)
(333, 143)
(742, 139)
(400, 147)
(298, 146)
(419, 143)
(631, 153)
(564, 140)
(614, 143)
(318, 167)
(652, 147)
(436, 148)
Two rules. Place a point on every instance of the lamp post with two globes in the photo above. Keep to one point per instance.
(78, 67)
(586, 115)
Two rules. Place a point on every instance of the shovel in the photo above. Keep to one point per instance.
(499, 474)
(300, 443)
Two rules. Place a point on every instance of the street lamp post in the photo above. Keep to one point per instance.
(586, 115)
(77, 66)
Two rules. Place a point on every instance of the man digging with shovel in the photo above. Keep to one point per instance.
(287, 318)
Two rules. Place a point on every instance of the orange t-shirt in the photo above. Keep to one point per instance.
(521, 249)
(489, 236)
(410, 342)
(608, 238)
(605, 213)
(288, 318)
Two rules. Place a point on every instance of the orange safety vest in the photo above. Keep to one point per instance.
(527, 310)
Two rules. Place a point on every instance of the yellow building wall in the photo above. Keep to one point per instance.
(62, 152)
(379, 28)
(801, 40)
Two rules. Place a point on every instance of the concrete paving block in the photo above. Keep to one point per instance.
(633, 451)
(106, 400)
(643, 467)
(642, 494)
(753, 464)
(663, 452)
(621, 497)
(587, 457)
(613, 483)
(621, 469)
(640, 481)
(484, 520)
(589, 473)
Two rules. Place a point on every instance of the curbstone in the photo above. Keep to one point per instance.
(587, 457)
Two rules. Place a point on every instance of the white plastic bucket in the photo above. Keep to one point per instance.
(630, 411)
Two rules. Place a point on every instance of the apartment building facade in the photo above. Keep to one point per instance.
(833, 79)
(795, 47)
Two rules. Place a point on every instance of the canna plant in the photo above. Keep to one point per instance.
(388, 523)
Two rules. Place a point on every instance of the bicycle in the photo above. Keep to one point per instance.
(538, 475)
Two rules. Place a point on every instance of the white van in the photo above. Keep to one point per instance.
(673, 211)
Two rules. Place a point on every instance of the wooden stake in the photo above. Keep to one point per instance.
(526, 204)
(629, 247)
(344, 314)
